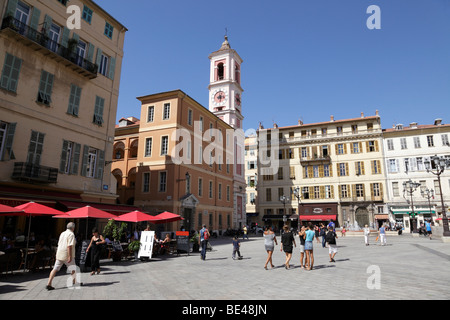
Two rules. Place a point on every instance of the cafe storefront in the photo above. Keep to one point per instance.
(411, 221)
(318, 213)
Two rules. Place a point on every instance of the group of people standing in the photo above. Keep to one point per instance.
(306, 235)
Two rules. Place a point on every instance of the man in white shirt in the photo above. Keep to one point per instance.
(65, 254)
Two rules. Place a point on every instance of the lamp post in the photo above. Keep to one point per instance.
(298, 195)
(440, 164)
(284, 200)
(410, 187)
(428, 194)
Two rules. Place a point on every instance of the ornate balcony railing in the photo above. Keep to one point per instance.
(35, 37)
(33, 173)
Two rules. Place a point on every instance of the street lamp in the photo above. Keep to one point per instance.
(428, 194)
(284, 200)
(411, 187)
(440, 164)
(298, 195)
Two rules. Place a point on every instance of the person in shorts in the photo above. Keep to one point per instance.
(331, 241)
(309, 237)
(302, 236)
(65, 255)
(428, 228)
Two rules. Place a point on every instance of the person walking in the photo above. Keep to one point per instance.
(203, 241)
(96, 241)
(331, 241)
(270, 240)
(65, 254)
(323, 233)
(287, 239)
(245, 230)
(302, 235)
(382, 233)
(366, 230)
(236, 248)
(309, 237)
(428, 228)
(317, 232)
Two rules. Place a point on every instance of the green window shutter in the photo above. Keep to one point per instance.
(98, 110)
(11, 8)
(112, 68)
(74, 100)
(76, 159)
(62, 163)
(99, 57)
(35, 148)
(76, 38)
(90, 54)
(10, 73)
(65, 37)
(34, 21)
(47, 24)
(45, 88)
(9, 142)
(100, 164)
(85, 161)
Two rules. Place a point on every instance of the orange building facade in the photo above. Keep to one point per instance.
(179, 158)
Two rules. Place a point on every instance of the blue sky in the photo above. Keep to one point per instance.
(303, 59)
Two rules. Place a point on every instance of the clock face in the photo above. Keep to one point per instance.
(219, 97)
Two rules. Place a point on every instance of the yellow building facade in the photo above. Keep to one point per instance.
(59, 91)
(325, 171)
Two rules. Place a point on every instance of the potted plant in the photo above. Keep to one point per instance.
(134, 247)
(115, 232)
(195, 245)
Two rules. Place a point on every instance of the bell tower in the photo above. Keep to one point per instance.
(225, 91)
(225, 101)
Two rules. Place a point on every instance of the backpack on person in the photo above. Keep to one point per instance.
(205, 234)
(331, 237)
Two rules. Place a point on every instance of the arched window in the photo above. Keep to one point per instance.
(220, 71)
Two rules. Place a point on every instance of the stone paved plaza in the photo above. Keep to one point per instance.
(409, 268)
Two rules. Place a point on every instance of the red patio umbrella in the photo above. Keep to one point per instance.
(33, 209)
(136, 216)
(7, 209)
(167, 217)
(85, 213)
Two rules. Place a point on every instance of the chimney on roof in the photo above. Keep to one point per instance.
(362, 114)
(332, 119)
(413, 125)
(438, 122)
(275, 126)
(377, 113)
(300, 122)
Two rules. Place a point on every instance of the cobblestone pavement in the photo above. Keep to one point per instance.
(407, 268)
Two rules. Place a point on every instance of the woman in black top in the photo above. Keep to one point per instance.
(96, 242)
(287, 238)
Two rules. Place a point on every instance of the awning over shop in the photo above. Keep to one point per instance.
(382, 217)
(110, 208)
(416, 212)
(252, 214)
(318, 217)
(273, 217)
